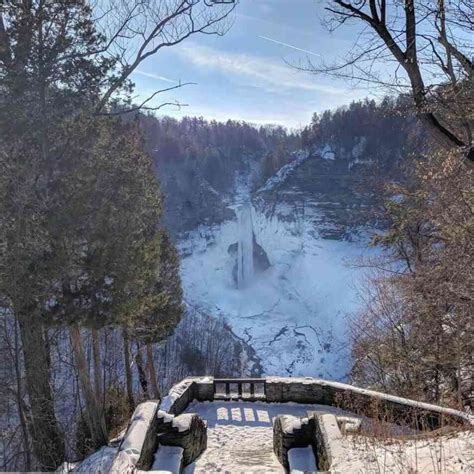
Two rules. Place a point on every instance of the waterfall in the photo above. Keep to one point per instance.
(245, 268)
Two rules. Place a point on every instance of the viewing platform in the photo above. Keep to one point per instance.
(272, 424)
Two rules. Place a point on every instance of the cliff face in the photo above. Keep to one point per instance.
(200, 195)
(335, 196)
(330, 191)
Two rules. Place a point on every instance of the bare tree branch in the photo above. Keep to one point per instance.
(416, 36)
(151, 25)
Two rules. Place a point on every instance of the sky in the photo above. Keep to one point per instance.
(247, 74)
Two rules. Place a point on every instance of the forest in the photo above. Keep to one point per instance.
(99, 192)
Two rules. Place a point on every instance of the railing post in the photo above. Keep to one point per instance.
(252, 389)
(227, 389)
(239, 389)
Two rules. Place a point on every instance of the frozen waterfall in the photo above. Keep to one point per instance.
(245, 268)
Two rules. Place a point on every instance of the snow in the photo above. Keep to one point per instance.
(240, 435)
(182, 422)
(349, 424)
(99, 462)
(283, 173)
(168, 460)
(292, 423)
(167, 418)
(327, 153)
(301, 460)
(175, 393)
(136, 432)
(295, 314)
(449, 453)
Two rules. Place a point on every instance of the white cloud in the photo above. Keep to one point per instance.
(261, 71)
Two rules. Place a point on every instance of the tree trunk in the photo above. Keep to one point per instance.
(20, 402)
(48, 442)
(98, 380)
(128, 370)
(150, 365)
(141, 371)
(94, 414)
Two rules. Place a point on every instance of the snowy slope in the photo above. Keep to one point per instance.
(295, 314)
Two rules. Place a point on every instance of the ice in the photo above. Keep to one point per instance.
(244, 245)
(295, 314)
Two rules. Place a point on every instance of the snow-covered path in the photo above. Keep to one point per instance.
(240, 435)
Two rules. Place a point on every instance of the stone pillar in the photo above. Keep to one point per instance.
(291, 432)
(187, 431)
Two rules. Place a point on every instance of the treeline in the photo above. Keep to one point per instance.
(382, 133)
(217, 150)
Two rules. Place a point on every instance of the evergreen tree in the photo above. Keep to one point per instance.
(80, 204)
(46, 75)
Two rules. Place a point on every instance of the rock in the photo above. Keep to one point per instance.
(329, 197)
(261, 262)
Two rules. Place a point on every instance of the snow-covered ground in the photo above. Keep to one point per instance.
(240, 435)
(449, 453)
(240, 439)
(295, 315)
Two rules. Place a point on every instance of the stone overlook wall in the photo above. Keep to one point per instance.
(140, 441)
(317, 391)
(370, 403)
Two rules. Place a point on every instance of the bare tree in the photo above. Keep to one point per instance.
(430, 42)
(137, 30)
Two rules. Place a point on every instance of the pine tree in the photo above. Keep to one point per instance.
(46, 75)
(154, 315)
(80, 202)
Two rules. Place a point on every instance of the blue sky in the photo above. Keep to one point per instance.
(245, 75)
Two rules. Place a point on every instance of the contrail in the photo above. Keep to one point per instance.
(153, 76)
(288, 45)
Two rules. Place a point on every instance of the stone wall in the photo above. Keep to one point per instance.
(317, 391)
(326, 440)
(140, 441)
(186, 431)
(361, 401)
(291, 432)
